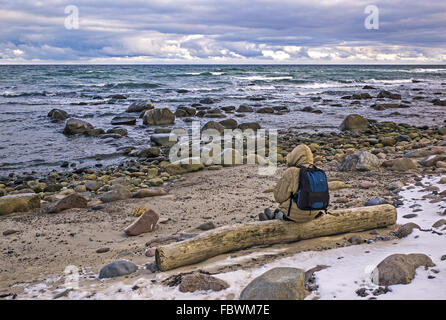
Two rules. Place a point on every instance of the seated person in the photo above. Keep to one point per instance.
(288, 184)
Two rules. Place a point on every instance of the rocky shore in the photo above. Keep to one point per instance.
(79, 216)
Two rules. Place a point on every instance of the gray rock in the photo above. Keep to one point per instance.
(121, 120)
(200, 281)
(354, 122)
(406, 229)
(94, 185)
(76, 126)
(117, 268)
(277, 284)
(229, 124)
(375, 202)
(439, 223)
(139, 106)
(58, 115)
(162, 139)
(121, 131)
(362, 161)
(206, 226)
(160, 116)
(399, 268)
(249, 125)
(151, 152)
(119, 193)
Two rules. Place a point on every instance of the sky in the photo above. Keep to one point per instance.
(223, 32)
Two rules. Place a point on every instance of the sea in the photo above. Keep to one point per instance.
(31, 142)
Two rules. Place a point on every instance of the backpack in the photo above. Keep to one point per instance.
(312, 193)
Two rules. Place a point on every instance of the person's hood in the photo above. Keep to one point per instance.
(300, 156)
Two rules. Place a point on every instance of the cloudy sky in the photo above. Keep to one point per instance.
(222, 31)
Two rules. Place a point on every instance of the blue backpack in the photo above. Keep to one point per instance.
(312, 193)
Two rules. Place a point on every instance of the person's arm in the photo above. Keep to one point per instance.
(286, 185)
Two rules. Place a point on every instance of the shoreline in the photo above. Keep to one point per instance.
(45, 244)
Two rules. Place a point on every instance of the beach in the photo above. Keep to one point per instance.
(380, 140)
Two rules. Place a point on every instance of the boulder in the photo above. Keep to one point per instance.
(162, 139)
(19, 203)
(229, 124)
(249, 125)
(73, 200)
(183, 111)
(145, 223)
(117, 268)
(160, 116)
(244, 108)
(277, 284)
(399, 268)
(354, 122)
(58, 115)
(119, 193)
(149, 192)
(265, 110)
(184, 166)
(432, 160)
(389, 95)
(139, 106)
(406, 229)
(76, 126)
(362, 161)
(403, 164)
(121, 131)
(200, 281)
(207, 101)
(360, 96)
(123, 120)
(214, 125)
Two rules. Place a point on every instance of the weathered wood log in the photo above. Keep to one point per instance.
(241, 236)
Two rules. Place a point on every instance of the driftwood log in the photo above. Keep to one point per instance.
(241, 236)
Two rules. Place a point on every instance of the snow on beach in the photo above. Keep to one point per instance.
(349, 267)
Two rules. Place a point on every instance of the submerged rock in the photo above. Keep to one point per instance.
(122, 120)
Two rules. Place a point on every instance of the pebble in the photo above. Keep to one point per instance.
(102, 250)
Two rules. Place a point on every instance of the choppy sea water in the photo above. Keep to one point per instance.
(29, 141)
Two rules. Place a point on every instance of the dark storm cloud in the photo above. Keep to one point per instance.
(223, 31)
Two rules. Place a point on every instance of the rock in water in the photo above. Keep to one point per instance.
(159, 117)
(399, 268)
(249, 125)
(389, 95)
(354, 122)
(117, 268)
(362, 161)
(75, 126)
(139, 106)
(229, 124)
(277, 284)
(121, 120)
(214, 125)
(58, 115)
(162, 139)
(73, 200)
(200, 281)
(19, 203)
(145, 223)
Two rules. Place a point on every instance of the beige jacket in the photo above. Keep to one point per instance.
(289, 183)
